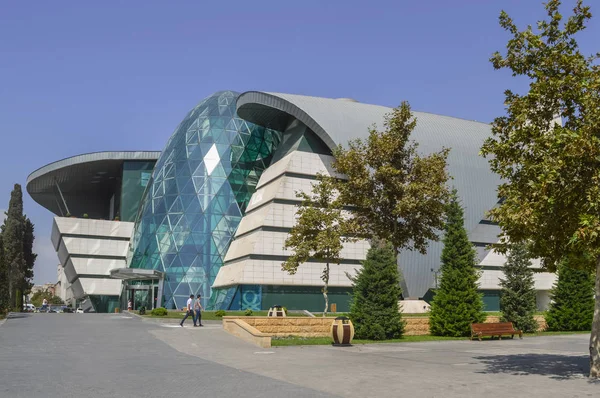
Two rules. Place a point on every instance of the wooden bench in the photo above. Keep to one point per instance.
(494, 329)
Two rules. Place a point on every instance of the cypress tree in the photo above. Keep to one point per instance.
(456, 303)
(28, 256)
(12, 234)
(572, 305)
(517, 300)
(374, 310)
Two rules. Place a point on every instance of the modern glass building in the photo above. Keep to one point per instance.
(210, 214)
(201, 186)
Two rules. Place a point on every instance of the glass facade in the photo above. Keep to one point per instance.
(136, 176)
(197, 195)
(262, 297)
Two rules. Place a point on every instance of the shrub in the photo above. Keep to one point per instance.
(248, 312)
(85, 215)
(159, 311)
(220, 313)
(142, 310)
(284, 310)
(376, 287)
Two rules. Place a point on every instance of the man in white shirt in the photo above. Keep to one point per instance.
(190, 310)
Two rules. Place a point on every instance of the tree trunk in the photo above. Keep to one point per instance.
(595, 336)
(325, 286)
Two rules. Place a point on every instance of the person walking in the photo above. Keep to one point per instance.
(190, 310)
(198, 308)
(45, 305)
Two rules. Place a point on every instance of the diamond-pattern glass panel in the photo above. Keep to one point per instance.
(197, 195)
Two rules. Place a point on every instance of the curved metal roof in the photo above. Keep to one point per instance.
(82, 177)
(336, 121)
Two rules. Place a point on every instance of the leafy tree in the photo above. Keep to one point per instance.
(4, 288)
(551, 173)
(457, 303)
(376, 291)
(517, 299)
(38, 297)
(572, 305)
(320, 231)
(399, 195)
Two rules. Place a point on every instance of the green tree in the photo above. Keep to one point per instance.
(12, 235)
(28, 256)
(376, 291)
(38, 297)
(572, 305)
(4, 288)
(457, 303)
(551, 173)
(320, 231)
(397, 194)
(517, 298)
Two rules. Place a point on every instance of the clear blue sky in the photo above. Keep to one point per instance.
(83, 76)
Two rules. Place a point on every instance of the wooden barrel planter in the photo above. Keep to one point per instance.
(342, 331)
(276, 310)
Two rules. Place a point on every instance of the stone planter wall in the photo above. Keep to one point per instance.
(319, 327)
(416, 326)
(289, 326)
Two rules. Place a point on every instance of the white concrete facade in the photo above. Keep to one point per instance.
(89, 250)
(256, 253)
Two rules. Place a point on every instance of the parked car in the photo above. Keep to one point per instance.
(67, 310)
(79, 310)
(28, 308)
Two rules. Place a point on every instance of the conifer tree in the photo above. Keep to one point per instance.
(28, 256)
(572, 305)
(374, 310)
(456, 304)
(517, 300)
(13, 231)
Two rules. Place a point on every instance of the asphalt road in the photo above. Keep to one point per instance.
(103, 355)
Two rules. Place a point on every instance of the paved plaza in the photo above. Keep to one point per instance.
(104, 355)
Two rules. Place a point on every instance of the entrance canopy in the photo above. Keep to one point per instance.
(136, 274)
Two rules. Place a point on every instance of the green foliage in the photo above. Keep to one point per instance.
(320, 230)
(38, 297)
(85, 215)
(248, 312)
(572, 305)
(399, 195)
(220, 313)
(284, 310)
(517, 299)
(160, 311)
(28, 255)
(142, 310)
(550, 172)
(374, 310)
(17, 235)
(456, 304)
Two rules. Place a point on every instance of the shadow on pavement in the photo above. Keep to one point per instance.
(13, 315)
(558, 367)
